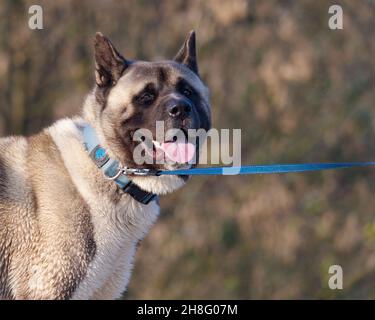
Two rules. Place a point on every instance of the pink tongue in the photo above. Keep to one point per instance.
(178, 152)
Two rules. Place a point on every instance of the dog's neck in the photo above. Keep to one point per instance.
(111, 168)
(158, 185)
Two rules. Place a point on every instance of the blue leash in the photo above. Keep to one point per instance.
(264, 169)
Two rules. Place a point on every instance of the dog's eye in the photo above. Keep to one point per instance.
(146, 98)
(187, 92)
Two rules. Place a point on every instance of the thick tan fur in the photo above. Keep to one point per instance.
(67, 232)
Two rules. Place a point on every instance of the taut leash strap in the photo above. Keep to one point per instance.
(111, 170)
(266, 169)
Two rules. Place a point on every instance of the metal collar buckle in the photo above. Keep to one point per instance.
(140, 172)
(113, 176)
(113, 173)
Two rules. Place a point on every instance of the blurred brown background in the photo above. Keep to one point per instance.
(300, 92)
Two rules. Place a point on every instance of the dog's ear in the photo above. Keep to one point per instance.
(187, 54)
(109, 64)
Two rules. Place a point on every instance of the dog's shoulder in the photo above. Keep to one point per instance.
(13, 167)
(60, 200)
(41, 215)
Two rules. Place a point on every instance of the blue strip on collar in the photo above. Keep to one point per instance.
(111, 167)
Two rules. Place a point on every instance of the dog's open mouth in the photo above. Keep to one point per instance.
(174, 151)
(178, 151)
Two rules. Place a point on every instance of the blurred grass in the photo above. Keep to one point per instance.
(300, 93)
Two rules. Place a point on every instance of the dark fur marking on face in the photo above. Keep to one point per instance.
(183, 85)
(150, 105)
(163, 83)
(162, 75)
(146, 97)
(205, 122)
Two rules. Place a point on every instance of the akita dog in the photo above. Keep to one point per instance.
(70, 220)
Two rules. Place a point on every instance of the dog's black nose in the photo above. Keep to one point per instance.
(179, 110)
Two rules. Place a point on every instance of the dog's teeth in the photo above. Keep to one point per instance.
(156, 143)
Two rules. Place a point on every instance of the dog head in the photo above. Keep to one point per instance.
(130, 96)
